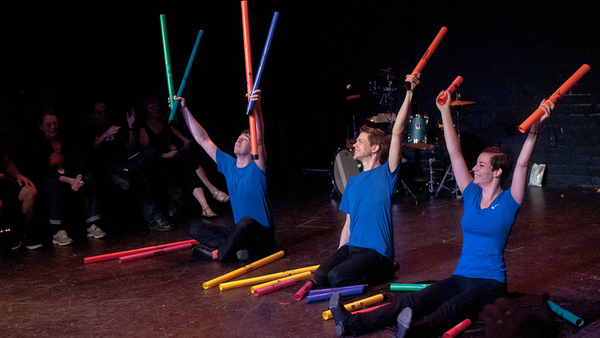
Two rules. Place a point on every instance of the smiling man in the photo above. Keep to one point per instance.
(366, 249)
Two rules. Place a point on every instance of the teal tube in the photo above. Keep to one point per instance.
(565, 314)
(165, 41)
(175, 103)
(407, 287)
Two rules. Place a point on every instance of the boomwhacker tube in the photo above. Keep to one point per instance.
(235, 273)
(325, 296)
(265, 278)
(249, 78)
(263, 59)
(456, 330)
(434, 45)
(156, 252)
(175, 103)
(565, 314)
(332, 290)
(303, 290)
(165, 42)
(451, 89)
(356, 305)
(538, 113)
(407, 287)
(274, 287)
(301, 276)
(115, 255)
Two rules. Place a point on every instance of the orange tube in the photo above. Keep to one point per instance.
(438, 38)
(538, 113)
(448, 92)
(249, 75)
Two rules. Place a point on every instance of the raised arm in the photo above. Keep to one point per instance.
(260, 131)
(400, 124)
(459, 166)
(519, 181)
(200, 135)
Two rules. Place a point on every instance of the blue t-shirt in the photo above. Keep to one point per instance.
(485, 233)
(367, 199)
(247, 189)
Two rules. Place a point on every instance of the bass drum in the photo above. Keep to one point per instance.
(343, 167)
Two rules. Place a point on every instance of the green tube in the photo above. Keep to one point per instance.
(565, 314)
(165, 41)
(407, 287)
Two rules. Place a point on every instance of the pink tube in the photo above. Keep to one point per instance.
(157, 252)
(274, 287)
(455, 331)
(298, 295)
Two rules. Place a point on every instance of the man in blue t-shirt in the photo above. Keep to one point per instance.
(251, 237)
(366, 250)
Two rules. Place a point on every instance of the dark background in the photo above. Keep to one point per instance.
(511, 55)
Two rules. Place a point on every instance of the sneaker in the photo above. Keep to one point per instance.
(121, 178)
(32, 244)
(404, 319)
(94, 231)
(16, 245)
(61, 238)
(160, 224)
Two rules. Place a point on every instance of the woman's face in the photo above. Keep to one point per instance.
(482, 171)
(49, 126)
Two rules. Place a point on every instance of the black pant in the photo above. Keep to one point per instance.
(436, 308)
(351, 265)
(247, 234)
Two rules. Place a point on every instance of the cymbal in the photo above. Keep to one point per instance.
(388, 73)
(381, 118)
(461, 103)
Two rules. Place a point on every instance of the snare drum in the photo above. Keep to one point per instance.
(343, 167)
(417, 133)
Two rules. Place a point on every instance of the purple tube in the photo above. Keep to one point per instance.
(331, 290)
(325, 296)
(263, 58)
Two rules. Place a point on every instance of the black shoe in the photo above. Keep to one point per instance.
(243, 255)
(32, 243)
(404, 319)
(341, 316)
(202, 252)
(161, 224)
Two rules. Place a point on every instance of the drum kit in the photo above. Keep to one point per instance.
(422, 135)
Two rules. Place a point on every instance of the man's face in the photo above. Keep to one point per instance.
(242, 145)
(49, 126)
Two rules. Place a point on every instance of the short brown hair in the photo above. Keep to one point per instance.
(378, 137)
(500, 159)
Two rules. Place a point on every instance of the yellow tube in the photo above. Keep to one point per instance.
(261, 279)
(301, 276)
(243, 270)
(357, 305)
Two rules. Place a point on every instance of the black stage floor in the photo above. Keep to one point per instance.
(554, 249)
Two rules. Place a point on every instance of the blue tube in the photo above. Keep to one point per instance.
(326, 296)
(175, 103)
(263, 58)
(565, 314)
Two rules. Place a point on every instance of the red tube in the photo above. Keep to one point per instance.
(116, 255)
(538, 113)
(448, 92)
(156, 252)
(434, 45)
(249, 76)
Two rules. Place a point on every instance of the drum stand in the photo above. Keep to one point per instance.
(408, 191)
(449, 175)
